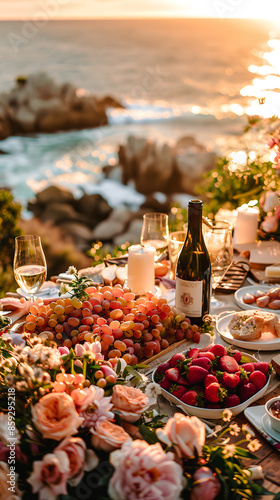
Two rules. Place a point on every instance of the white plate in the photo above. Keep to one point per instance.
(266, 423)
(207, 412)
(262, 344)
(238, 296)
(50, 292)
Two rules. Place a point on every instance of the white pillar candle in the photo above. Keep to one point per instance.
(140, 269)
(246, 225)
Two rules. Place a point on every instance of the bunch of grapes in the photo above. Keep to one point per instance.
(128, 327)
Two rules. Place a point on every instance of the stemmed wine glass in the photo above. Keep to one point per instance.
(155, 232)
(30, 267)
(218, 239)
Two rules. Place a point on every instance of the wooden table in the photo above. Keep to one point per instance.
(268, 458)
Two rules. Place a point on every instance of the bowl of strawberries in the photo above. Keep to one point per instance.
(205, 381)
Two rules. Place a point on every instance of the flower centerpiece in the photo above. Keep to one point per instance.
(62, 434)
(240, 177)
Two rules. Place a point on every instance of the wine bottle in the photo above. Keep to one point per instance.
(193, 272)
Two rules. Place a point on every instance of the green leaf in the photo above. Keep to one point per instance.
(148, 434)
(241, 452)
(118, 369)
(129, 370)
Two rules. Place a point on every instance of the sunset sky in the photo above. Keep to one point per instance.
(87, 9)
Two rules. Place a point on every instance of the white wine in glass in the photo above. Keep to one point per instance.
(155, 233)
(30, 267)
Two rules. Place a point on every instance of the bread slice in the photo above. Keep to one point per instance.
(277, 326)
(270, 323)
(246, 325)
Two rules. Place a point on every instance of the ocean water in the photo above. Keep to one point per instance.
(176, 78)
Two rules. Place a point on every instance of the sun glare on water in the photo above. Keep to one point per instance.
(264, 92)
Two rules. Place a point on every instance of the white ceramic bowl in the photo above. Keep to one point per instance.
(211, 413)
(275, 422)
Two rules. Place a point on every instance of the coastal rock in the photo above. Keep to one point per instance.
(132, 235)
(94, 206)
(55, 194)
(61, 212)
(113, 226)
(5, 124)
(39, 104)
(80, 234)
(165, 169)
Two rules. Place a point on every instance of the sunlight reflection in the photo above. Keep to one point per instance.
(267, 85)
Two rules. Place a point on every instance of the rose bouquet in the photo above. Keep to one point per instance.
(64, 437)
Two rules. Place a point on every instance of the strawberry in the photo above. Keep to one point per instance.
(218, 350)
(166, 383)
(210, 379)
(209, 355)
(228, 364)
(258, 378)
(173, 374)
(231, 400)
(176, 359)
(204, 362)
(237, 356)
(262, 366)
(182, 380)
(247, 391)
(190, 398)
(161, 369)
(248, 367)
(193, 353)
(178, 390)
(213, 406)
(214, 393)
(230, 379)
(196, 374)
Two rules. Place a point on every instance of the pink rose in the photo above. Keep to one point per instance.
(185, 434)
(55, 416)
(146, 471)
(129, 402)
(271, 142)
(5, 453)
(49, 476)
(270, 224)
(94, 348)
(205, 485)
(76, 450)
(92, 405)
(107, 436)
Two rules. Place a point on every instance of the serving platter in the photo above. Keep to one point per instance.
(214, 413)
(238, 297)
(266, 343)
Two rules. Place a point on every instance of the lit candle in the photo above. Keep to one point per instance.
(140, 269)
(246, 225)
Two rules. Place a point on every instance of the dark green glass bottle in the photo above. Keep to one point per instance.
(193, 273)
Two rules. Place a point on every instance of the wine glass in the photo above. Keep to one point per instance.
(30, 267)
(218, 240)
(155, 233)
(175, 245)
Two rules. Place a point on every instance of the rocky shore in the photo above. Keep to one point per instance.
(38, 104)
(90, 218)
(165, 169)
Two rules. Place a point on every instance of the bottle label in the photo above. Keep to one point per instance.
(188, 298)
